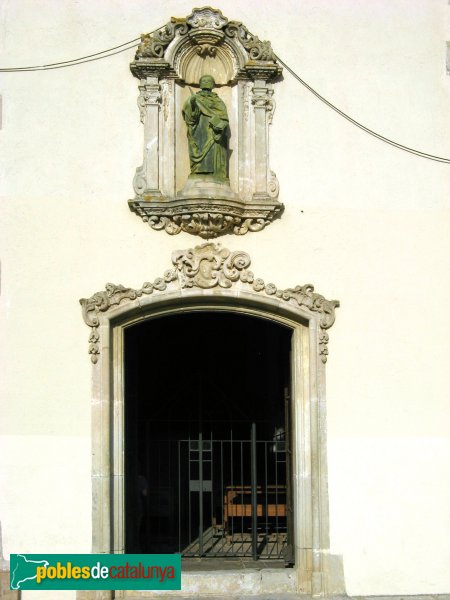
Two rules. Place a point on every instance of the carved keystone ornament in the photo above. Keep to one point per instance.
(205, 267)
(206, 103)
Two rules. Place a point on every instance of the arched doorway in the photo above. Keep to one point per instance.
(207, 437)
(209, 278)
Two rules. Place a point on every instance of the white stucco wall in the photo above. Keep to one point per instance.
(364, 222)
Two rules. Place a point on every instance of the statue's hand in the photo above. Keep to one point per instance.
(217, 124)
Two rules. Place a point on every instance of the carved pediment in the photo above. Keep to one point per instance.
(206, 267)
(207, 27)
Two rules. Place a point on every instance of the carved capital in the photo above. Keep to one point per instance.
(262, 98)
(148, 94)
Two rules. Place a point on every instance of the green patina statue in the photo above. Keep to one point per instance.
(207, 130)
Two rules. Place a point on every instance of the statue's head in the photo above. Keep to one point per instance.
(206, 82)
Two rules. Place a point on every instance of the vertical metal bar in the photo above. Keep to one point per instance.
(200, 496)
(254, 495)
(189, 488)
(289, 554)
(158, 495)
(232, 482)
(179, 498)
(276, 494)
(211, 455)
(266, 485)
(243, 494)
(221, 493)
(169, 481)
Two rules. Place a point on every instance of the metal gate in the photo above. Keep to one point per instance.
(234, 497)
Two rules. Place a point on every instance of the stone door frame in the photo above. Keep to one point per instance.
(182, 290)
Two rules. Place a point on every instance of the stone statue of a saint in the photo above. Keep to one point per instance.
(207, 130)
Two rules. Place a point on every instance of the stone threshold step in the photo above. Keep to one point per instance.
(288, 596)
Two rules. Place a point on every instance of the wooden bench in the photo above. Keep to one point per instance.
(271, 503)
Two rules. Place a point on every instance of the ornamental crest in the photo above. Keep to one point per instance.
(206, 267)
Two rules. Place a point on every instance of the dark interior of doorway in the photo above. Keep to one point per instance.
(210, 376)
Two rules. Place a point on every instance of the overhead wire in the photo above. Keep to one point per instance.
(77, 61)
(360, 125)
(133, 44)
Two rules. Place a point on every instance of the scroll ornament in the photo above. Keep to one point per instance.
(206, 267)
(206, 18)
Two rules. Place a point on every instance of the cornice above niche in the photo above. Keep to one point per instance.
(205, 167)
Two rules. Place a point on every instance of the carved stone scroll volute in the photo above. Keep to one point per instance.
(169, 65)
(206, 267)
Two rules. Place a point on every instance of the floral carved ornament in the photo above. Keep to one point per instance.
(206, 267)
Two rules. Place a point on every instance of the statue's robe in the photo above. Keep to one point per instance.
(207, 130)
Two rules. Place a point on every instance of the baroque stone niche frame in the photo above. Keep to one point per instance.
(210, 277)
(170, 61)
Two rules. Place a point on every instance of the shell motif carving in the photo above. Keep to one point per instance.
(206, 18)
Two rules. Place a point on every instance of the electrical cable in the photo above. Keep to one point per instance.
(76, 61)
(126, 46)
(363, 127)
(61, 66)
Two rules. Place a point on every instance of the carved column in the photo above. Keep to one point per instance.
(262, 75)
(261, 100)
(146, 179)
(246, 139)
(167, 143)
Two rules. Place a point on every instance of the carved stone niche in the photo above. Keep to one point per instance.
(169, 64)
